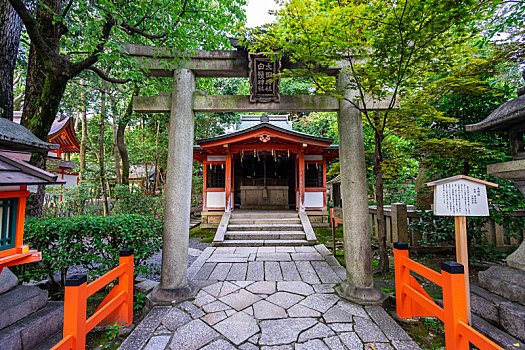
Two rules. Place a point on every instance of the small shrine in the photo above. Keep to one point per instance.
(15, 176)
(62, 133)
(264, 164)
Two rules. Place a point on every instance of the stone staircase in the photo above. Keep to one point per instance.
(265, 228)
(27, 317)
(498, 306)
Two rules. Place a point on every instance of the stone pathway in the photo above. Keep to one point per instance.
(267, 298)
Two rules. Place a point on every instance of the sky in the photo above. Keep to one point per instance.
(257, 12)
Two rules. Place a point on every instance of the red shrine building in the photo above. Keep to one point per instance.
(63, 134)
(265, 164)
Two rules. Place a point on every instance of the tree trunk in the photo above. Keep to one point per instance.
(116, 151)
(83, 141)
(381, 224)
(10, 29)
(36, 70)
(102, 172)
(156, 184)
(121, 144)
(52, 93)
(424, 196)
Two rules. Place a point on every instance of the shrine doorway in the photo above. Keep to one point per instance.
(264, 181)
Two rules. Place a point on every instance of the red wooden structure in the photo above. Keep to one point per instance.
(63, 134)
(15, 176)
(264, 151)
(412, 300)
(117, 307)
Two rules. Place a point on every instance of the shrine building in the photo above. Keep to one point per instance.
(264, 164)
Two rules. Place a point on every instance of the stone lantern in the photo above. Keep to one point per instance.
(509, 117)
(508, 282)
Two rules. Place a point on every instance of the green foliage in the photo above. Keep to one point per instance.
(433, 229)
(134, 202)
(140, 301)
(113, 331)
(322, 124)
(91, 241)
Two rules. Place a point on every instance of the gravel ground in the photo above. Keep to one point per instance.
(155, 261)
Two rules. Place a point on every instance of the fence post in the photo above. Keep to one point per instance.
(126, 284)
(399, 222)
(402, 277)
(454, 303)
(75, 303)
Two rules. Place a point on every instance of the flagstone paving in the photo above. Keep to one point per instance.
(267, 298)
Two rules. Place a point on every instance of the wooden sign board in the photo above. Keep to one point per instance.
(264, 84)
(461, 196)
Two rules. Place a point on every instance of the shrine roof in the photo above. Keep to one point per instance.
(63, 133)
(15, 137)
(460, 177)
(504, 118)
(248, 121)
(265, 125)
(16, 172)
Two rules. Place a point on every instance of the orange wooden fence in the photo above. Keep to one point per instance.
(117, 307)
(412, 300)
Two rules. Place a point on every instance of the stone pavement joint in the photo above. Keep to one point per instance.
(270, 298)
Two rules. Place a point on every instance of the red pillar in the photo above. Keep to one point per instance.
(301, 180)
(228, 180)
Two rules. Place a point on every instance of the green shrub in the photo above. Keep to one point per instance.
(91, 241)
(130, 201)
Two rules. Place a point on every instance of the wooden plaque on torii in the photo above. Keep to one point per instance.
(264, 78)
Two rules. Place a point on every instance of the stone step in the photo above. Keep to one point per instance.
(34, 329)
(50, 342)
(506, 315)
(506, 282)
(503, 339)
(266, 242)
(265, 235)
(264, 214)
(8, 280)
(266, 221)
(265, 227)
(20, 302)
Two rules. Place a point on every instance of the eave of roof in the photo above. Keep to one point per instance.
(264, 126)
(15, 137)
(17, 172)
(503, 118)
(66, 124)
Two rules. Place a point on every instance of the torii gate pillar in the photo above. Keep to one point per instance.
(174, 283)
(359, 285)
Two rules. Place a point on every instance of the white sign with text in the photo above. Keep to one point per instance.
(461, 198)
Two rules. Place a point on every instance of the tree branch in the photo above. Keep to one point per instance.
(93, 58)
(31, 27)
(106, 78)
(66, 10)
(131, 30)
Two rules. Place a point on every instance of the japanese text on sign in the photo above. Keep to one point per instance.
(264, 85)
(461, 198)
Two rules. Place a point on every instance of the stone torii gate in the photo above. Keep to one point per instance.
(184, 101)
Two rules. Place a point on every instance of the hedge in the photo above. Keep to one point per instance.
(91, 241)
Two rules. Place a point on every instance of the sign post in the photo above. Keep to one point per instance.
(461, 196)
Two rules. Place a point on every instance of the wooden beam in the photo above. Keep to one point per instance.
(304, 103)
(219, 103)
(161, 62)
